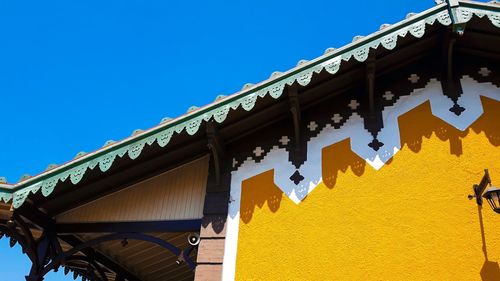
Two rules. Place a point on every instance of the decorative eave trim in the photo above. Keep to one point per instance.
(246, 98)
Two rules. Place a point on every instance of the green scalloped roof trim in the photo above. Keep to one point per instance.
(331, 61)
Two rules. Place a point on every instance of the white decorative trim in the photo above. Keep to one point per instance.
(353, 128)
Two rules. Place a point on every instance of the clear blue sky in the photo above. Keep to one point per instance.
(74, 74)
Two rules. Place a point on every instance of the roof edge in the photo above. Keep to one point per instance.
(274, 86)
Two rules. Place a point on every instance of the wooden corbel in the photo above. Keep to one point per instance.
(216, 146)
(447, 56)
(450, 84)
(295, 110)
(373, 120)
(370, 82)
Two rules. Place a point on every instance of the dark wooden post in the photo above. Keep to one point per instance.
(213, 230)
(215, 210)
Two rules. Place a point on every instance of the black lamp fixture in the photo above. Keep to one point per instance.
(492, 195)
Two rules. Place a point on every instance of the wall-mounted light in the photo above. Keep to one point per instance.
(492, 195)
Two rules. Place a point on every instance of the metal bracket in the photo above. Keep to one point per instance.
(478, 189)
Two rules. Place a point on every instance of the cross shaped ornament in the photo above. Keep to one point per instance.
(312, 126)
(388, 95)
(353, 104)
(336, 118)
(258, 151)
(484, 71)
(413, 78)
(284, 140)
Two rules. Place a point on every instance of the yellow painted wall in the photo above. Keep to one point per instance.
(411, 220)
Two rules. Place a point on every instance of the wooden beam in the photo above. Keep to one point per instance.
(216, 147)
(293, 97)
(102, 259)
(35, 216)
(122, 227)
(370, 81)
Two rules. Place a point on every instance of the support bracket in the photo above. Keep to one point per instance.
(373, 120)
(450, 84)
(216, 146)
(295, 110)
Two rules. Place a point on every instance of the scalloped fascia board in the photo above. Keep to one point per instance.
(387, 37)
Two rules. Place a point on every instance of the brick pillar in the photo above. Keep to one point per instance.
(213, 230)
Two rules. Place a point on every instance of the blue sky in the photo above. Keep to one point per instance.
(74, 74)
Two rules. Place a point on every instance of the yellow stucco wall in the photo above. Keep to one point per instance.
(410, 220)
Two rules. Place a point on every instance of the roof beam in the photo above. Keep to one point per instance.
(122, 227)
(35, 216)
(102, 259)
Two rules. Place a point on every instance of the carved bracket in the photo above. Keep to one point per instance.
(295, 110)
(449, 82)
(297, 154)
(373, 119)
(216, 146)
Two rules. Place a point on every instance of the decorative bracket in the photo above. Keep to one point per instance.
(373, 120)
(114, 237)
(216, 147)
(295, 110)
(297, 154)
(451, 86)
(370, 82)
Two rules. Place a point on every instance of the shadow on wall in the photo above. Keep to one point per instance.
(338, 158)
(258, 191)
(421, 123)
(490, 270)
(484, 124)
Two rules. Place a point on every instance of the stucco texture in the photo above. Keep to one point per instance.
(410, 220)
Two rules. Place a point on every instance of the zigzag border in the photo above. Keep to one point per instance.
(277, 158)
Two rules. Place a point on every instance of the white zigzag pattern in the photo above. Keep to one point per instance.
(353, 128)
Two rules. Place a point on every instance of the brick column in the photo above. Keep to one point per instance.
(213, 230)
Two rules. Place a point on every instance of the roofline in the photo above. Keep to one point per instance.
(343, 54)
(172, 123)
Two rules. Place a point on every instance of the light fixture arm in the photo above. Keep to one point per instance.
(479, 188)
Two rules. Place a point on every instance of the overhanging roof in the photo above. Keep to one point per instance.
(455, 13)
